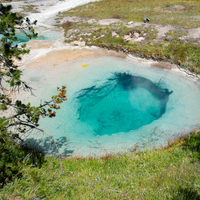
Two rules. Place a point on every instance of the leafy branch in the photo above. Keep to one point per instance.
(18, 118)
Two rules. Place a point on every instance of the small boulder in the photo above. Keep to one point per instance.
(126, 38)
(146, 20)
(114, 34)
(169, 38)
(136, 34)
(131, 22)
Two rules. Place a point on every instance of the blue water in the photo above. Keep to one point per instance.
(48, 35)
(113, 105)
(123, 103)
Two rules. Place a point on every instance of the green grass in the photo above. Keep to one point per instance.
(171, 173)
(158, 11)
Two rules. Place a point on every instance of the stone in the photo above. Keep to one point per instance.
(169, 38)
(114, 34)
(133, 40)
(131, 22)
(126, 38)
(146, 20)
(136, 34)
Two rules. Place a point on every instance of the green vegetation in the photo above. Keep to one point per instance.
(175, 12)
(20, 118)
(171, 173)
(180, 15)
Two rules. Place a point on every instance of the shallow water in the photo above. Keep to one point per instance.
(48, 35)
(114, 104)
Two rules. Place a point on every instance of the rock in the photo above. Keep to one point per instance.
(131, 22)
(133, 40)
(75, 43)
(114, 34)
(127, 38)
(169, 38)
(136, 34)
(146, 20)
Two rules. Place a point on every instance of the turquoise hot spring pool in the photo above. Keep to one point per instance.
(114, 104)
(46, 35)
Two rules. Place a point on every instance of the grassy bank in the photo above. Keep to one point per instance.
(165, 37)
(171, 173)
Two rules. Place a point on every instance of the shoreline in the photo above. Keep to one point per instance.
(55, 52)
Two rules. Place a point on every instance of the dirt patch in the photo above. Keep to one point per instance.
(105, 22)
(56, 57)
(193, 33)
(40, 44)
(162, 30)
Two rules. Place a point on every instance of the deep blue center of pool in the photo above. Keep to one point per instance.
(123, 103)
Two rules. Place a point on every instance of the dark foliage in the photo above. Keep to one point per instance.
(14, 151)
